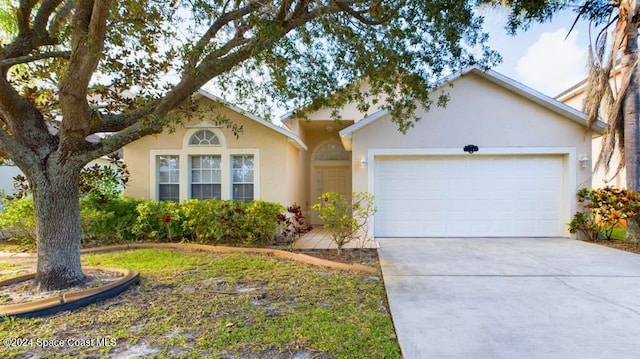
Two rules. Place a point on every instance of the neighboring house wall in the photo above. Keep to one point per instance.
(574, 97)
(273, 172)
(7, 173)
(6, 178)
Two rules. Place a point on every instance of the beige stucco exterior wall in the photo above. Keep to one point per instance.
(483, 114)
(273, 150)
(295, 180)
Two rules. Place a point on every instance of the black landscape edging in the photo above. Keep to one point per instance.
(75, 304)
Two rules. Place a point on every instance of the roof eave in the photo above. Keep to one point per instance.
(291, 137)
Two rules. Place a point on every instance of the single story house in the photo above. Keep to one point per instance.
(500, 160)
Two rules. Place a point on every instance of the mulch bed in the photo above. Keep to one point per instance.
(22, 292)
(364, 256)
(620, 244)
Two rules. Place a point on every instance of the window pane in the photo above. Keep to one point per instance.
(175, 176)
(206, 176)
(217, 176)
(248, 175)
(168, 192)
(196, 191)
(242, 177)
(237, 161)
(167, 163)
(195, 176)
(332, 151)
(168, 178)
(237, 175)
(204, 138)
(205, 191)
(243, 192)
(163, 177)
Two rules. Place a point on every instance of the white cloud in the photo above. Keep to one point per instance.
(553, 64)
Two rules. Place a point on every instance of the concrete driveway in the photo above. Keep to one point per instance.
(512, 298)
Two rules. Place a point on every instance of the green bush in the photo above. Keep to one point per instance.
(109, 222)
(262, 220)
(343, 218)
(110, 219)
(217, 221)
(602, 209)
(17, 221)
(159, 221)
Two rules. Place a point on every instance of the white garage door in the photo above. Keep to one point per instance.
(469, 196)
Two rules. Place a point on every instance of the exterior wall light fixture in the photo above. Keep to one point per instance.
(584, 161)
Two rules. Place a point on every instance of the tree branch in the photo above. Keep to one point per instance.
(30, 58)
(44, 13)
(60, 16)
(214, 64)
(24, 14)
(24, 120)
(118, 140)
(87, 45)
(359, 15)
(223, 20)
(115, 123)
(20, 154)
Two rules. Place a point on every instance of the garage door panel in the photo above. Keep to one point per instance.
(469, 196)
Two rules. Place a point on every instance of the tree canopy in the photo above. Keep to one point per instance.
(121, 66)
(75, 68)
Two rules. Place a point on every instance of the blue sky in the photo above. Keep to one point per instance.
(541, 57)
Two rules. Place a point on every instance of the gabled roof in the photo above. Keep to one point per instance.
(291, 137)
(504, 82)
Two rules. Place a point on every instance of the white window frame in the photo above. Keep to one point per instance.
(185, 174)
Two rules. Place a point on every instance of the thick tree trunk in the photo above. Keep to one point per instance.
(631, 125)
(57, 211)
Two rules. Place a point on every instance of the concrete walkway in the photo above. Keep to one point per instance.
(512, 298)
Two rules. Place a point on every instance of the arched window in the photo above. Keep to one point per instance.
(332, 151)
(204, 138)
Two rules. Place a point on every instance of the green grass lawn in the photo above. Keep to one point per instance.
(192, 304)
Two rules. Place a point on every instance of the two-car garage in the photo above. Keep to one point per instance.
(469, 195)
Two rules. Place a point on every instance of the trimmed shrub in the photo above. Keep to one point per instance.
(109, 222)
(231, 222)
(262, 220)
(18, 223)
(602, 210)
(158, 221)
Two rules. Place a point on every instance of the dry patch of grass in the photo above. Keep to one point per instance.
(192, 304)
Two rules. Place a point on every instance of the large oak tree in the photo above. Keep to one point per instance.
(76, 68)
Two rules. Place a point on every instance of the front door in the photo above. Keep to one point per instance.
(330, 179)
